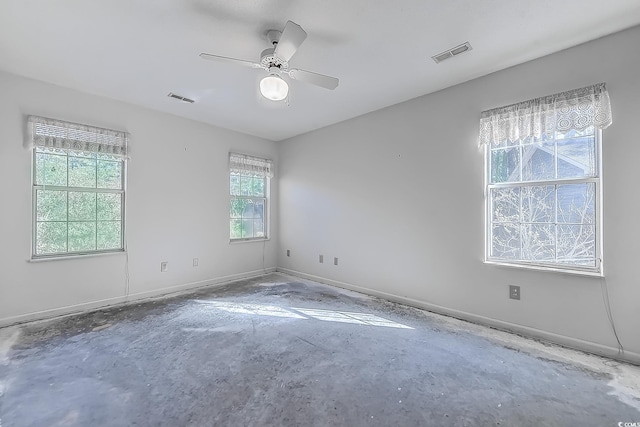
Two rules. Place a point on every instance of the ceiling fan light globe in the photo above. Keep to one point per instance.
(274, 88)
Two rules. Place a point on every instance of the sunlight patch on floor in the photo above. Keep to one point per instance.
(349, 317)
(259, 309)
(304, 313)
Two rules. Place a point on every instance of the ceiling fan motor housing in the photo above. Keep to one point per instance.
(269, 60)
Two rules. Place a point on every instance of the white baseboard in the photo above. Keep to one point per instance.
(565, 341)
(136, 297)
(218, 281)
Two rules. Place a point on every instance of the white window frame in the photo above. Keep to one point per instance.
(559, 267)
(541, 119)
(252, 167)
(69, 140)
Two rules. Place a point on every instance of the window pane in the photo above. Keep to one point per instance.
(245, 185)
(82, 206)
(247, 228)
(234, 181)
(109, 235)
(235, 229)
(506, 204)
(538, 203)
(538, 162)
(577, 244)
(258, 187)
(82, 172)
(505, 241)
(258, 228)
(505, 165)
(67, 221)
(541, 239)
(82, 236)
(247, 218)
(545, 224)
(258, 209)
(577, 203)
(51, 205)
(538, 242)
(237, 207)
(577, 157)
(249, 211)
(51, 237)
(109, 174)
(109, 206)
(51, 169)
(258, 221)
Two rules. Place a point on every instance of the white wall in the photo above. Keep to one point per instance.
(398, 196)
(177, 206)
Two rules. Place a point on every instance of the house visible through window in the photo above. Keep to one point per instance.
(78, 188)
(544, 180)
(249, 179)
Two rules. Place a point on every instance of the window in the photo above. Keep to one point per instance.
(78, 188)
(249, 179)
(544, 180)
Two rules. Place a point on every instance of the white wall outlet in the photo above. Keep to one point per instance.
(514, 292)
(321, 259)
(195, 262)
(164, 266)
(288, 252)
(335, 261)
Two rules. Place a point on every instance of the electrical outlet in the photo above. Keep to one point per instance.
(164, 266)
(288, 252)
(335, 261)
(514, 292)
(195, 262)
(321, 259)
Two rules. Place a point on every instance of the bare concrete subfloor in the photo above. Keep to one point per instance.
(281, 351)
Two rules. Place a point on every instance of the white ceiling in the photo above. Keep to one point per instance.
(140, 50)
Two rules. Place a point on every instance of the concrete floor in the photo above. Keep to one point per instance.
(281, 351)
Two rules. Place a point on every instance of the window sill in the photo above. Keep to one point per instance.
(236, 241)
(588, 273)
(74, 256)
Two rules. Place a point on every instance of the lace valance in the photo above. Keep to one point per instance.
(572, 110)
(243, 164)
(59, 135)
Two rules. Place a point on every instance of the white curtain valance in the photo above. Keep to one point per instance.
(59, 135)
(243, 164)
(572, 110)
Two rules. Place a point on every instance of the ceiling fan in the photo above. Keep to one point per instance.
(275, 61)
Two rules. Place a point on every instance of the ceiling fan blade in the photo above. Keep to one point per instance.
(321, 80)
(292, 37)
(210, 57)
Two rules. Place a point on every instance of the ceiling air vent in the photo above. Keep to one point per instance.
(454, 51)
(180, 98)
